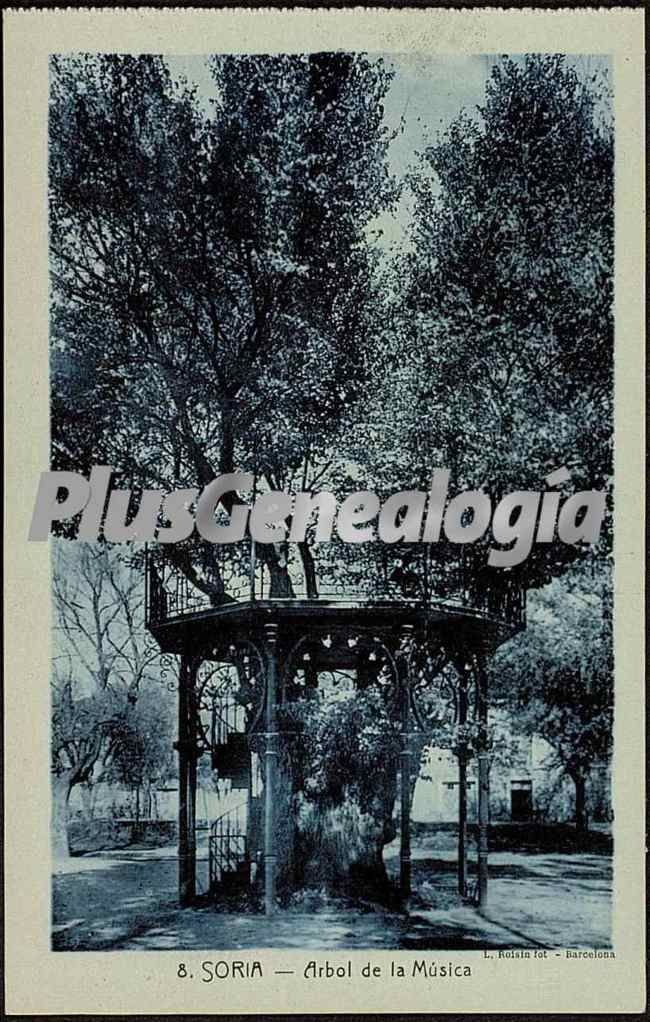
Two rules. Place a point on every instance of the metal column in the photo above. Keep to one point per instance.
(405, 764)
(483, 780)
(186, 785)
(462, 784)
(270, 755)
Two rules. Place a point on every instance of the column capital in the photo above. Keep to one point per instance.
(271, 632)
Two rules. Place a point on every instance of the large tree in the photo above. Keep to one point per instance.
(502, 319)
(102, 659)
(213, 290)
(216, 306)
(497, 361)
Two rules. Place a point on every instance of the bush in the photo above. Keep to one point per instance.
(103, 835)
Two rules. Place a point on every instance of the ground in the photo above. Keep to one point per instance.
(126, 900)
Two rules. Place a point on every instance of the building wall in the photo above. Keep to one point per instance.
(113, 801)
(530, 788)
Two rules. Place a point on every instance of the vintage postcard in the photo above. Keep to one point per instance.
(324, 661)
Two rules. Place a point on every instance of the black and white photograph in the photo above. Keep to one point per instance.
(343, 277)
(324, 520)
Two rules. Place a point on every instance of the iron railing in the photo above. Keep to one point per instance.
(459, 580)
(228, 846)
(227, 717)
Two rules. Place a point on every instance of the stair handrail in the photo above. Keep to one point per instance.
(223, 815)
(221, 853)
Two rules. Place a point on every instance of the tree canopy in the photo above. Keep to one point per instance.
(219, 302)
(501, 328)
(212, 273)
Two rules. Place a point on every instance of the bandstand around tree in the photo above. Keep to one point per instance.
(247, 657)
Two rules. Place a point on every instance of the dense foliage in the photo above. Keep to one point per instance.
(499, 352)
(220, 303)
(557, 677)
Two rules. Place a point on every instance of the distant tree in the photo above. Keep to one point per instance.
(103, 657)
(143, 754)
(557, 677)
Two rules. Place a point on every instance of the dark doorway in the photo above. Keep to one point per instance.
(521, 801)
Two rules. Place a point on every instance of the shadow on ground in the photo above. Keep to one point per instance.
(126, 900)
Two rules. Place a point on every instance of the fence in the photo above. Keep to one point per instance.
(406, 574)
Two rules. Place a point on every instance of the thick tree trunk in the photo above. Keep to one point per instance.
(323, 827)
(336, 848)
(309, 570)
(274, 556)
(187, 559)
(87, 800)
(341, 847)
(61, 787)
(581, 818)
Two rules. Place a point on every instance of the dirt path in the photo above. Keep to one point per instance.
(127, 900)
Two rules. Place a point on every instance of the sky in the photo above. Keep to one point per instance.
(428, 92)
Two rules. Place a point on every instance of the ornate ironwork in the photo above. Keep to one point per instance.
(369, 657)
(229, 696)
(228, 857)
(459, 581)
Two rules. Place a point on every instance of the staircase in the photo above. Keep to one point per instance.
(229, 861)
(229, 853)
(231, 760)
